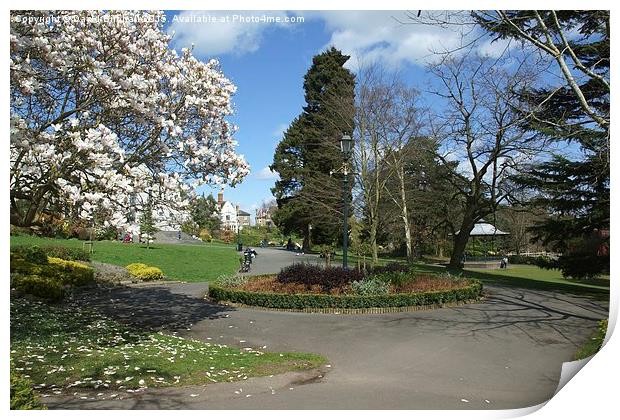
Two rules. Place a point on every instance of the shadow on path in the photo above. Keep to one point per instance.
(544, 317)
(155, 308)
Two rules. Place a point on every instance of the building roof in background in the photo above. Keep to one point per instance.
(483, 228)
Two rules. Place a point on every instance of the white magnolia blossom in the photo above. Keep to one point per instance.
(103, 111)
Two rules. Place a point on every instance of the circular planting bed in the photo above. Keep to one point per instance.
(313, 289)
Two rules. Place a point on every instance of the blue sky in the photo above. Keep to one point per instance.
(267, 63)
(268, 60)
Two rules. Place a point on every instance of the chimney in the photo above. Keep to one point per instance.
(220, 198)
(237, 209)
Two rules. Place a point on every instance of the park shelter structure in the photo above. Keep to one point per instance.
(483, 230)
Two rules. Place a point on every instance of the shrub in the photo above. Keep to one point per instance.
(71, 272)
(105, 233)
(20, 231)
(32, 254)
(370, 286)
(190, 227)
(22, 395)
(578, 265)
(47, 288)
(517, 259)
(541, 261)
(230, 280)
(149, 274)
(65, 253)
(305, 301)
(392, 267)
(144, 272)
(310, 275)
(205, 235)
(394, 278)
(581, 265)
(136, 266)
(227, 236)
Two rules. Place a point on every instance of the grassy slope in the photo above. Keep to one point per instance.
(191, 263)
(518, 275)
(529, 276)
(64, 347)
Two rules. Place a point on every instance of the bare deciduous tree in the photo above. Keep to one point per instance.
(482, 129)
(387, 118)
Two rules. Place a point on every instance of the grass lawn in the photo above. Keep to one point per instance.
(67, 348)
(529, 276)
(518, 275)
(192, 263)
(595, 343)
(352, 260)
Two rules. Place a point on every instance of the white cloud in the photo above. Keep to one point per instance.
(388, 37)
(221, 32)
(381, 36)
(495, 49)
(266, 174)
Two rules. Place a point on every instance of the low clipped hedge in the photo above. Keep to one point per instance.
(145, 272)
(305, 301)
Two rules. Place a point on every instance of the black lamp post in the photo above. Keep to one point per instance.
(346, 146)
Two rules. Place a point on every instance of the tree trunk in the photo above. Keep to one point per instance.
(405, 213)
(461, 239)
(36, 203)
(407, 235)
(373, 240)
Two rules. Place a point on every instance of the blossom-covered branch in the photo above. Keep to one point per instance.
(103, 110)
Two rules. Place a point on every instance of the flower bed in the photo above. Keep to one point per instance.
(400, 291)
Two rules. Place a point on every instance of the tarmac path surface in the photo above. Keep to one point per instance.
(503, 352)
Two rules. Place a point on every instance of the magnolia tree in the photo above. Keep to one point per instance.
(104, 114)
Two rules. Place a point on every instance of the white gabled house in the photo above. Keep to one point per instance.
(231, 217)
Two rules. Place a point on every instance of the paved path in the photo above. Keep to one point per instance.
(271, 260)
(504, 352)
